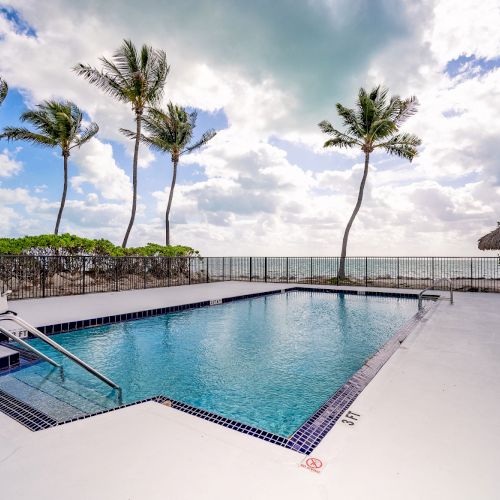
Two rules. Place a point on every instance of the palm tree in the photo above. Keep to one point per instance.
(171, 131)
(4, 89)
(133, 77)
(374, 124)
(57, 124)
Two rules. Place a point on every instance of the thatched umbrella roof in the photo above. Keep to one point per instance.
(490, 241)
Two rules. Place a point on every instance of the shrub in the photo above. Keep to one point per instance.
(70, 244)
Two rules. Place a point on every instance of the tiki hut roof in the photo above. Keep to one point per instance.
(490, 241)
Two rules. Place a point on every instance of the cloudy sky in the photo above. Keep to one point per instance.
(263, 74)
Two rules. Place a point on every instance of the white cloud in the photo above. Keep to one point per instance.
(98, 168)
(9, 166)
(22, 213)
(468, 28)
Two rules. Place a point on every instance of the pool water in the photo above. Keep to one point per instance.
(269, 362)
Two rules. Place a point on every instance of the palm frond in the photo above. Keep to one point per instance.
(154, 142)
(171, 130)
(24, 134)
(157, 144)
(110, 69)
(379, 96)
(207, 136)
(41, 119)
(56, 123)
(128, 133)
(377, 93)
(126, 58)
(86, 134)
(340, 143)
(131, 76)
(373, 108)
(339, 138)
(381, 128)
(157, 77)
(108, 83)
(4, 89)
(156, 114)
(365, 110)
(402, 145)
(350, 121)
(402, 151)
(406, 109)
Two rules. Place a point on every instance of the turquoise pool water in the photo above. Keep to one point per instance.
(269, 362)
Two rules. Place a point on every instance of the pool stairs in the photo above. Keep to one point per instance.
(54, 394)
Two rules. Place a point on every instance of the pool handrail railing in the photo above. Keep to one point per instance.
(434, 283)
(37, 333)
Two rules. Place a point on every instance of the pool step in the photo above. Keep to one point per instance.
(62, 400)
(46, 403)
(74, 393)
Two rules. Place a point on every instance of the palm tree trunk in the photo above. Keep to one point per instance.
(169, 204)
(138, 118)
(341, 273)
(65, 189)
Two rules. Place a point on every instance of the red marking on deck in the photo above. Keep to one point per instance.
(313, 464)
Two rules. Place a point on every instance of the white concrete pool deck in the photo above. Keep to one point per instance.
(428, 425)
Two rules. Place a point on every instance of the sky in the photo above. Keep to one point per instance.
(264, 74)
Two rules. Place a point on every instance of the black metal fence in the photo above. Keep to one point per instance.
(49, 276)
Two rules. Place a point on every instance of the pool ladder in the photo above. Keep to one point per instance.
(12, 316)
(434, 283)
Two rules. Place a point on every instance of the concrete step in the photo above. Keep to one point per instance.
(8, 357)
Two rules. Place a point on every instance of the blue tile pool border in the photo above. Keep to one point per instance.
(119, 318)
(303, 440)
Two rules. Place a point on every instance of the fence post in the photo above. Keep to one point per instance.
(311, 270)
(265, 269)
(250, 268)
(83, 274)
(287, 278)
(366, 271)
(398, 270)
(44, 265)
(208, 265)
(230, 268)
(471, 274)
(189, 270)
(116, 273)
(168, 271)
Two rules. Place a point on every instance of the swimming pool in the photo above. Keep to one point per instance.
(269, 362)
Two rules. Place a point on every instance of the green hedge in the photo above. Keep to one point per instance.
(69, 244)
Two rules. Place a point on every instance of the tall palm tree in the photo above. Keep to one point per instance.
(171, 131)
(57, 124)
(4, 89)
(133, 77)
(374, 124)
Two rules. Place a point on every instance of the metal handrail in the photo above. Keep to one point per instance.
(434, 283)
(37, 333)
(27, 346)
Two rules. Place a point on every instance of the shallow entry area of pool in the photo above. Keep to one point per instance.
(269, 362)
